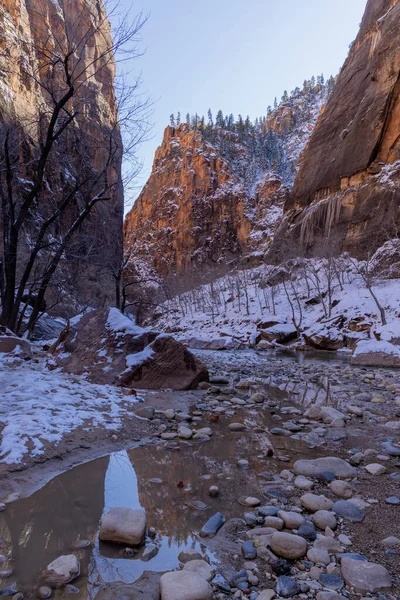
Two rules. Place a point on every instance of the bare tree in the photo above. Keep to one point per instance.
(57, 165)
(368, 275)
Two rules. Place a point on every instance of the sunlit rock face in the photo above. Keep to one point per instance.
(347, 188)
(28, 30)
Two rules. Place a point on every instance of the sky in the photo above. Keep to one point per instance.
(235, 55)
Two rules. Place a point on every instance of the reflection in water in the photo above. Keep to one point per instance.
(38, 529)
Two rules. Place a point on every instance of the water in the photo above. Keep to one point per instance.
(36, 530)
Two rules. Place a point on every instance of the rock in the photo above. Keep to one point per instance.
(331, 581)
(341, 489)
(274, 522)
(250, 501)
(302, 483)
(204, 431)
(328, 338)
(168, 435)
(281, 333)
(329, 596)
(170, 413)
(189, 554)
(213, 525)
(391, 449)
(268, 511)
(124, 526)
(329, 415)
(375, 469)
(313, 468)
(319, 556)
(61, 571)
(266, 595)
(213, 491)
(292, 520)
(324, 518)
(393, 500)
(237, 426)
(376, 354)
(307, 531)
(18, 346)
(150, 551)
(391, 541)
(258, 398)
(145, 412)
(44, 592)
(184, 432)
(248, 550)
(201, 567)
(288, 545)
(145, 358)
(184, 585)
(243, 463)
(287, 587)
(365, 576)
(147, 587)
(313, 503)
(348, 510)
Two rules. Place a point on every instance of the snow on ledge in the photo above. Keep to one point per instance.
(373, 347)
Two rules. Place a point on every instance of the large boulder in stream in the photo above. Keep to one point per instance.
(111, 349)
(372, 353)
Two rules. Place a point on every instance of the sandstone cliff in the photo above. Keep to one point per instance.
(347, 189)
(32, 32)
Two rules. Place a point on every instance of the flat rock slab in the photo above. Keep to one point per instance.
(348, 510)
(315, 467)
(183, 585)
(365, 576)
(145, 588)
(124, 526)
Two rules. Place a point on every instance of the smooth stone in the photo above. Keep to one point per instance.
(329, 596)
(212, 526)
(312, 468)
(204, 431)
(124, 526)
(61, 571)
(313, 503)
(44, 592)
(169, 414)
(391, 541)
(287, 587)
(288, 545)
(307, 531)
(248, 550)
(292, 520)
(341, 488)
(274, 522)
(145, 412)
(168, 435)
(375, 469)
(331, 581)
(324, 518)
(150, 552)
(352, 555)
(4, 573)
(319, 556)
(213, 491)
(302, 483)
(184, 585)
(184, 432)
(250, 501)
(365, 576)
(189, 554)
(268, 511)
(201, 567)
(266, 595)
(237, 426)
(390, 449)
(394, 500)
(348, 510)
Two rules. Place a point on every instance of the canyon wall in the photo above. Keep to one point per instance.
(347, 194)
(32, 34)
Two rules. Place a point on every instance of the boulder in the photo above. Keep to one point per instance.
(372, 353)
(124, 526)
(16, 345)
(201, 567)
(184, 585)
(324, 338)
(110, 349)
(282, 333)
(61, 571)
(147, 587)
(313, 468)
(365, 576)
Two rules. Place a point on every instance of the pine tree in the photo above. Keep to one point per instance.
(210, 118)
(275, 103)
(172, 120)
(220, 119)
(188, 119)
(285, 96)
(178, 119)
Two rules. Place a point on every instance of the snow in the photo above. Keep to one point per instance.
(389, 332)
(133, 360)
(119, 324)
(38, 407)
(373, 346)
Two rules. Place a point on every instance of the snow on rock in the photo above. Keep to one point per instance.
(376, 353)
(119, 324)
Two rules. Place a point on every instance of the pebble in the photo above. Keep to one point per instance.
(44, 592)
(394, 500)
(375, 469)
(248, 550)
(213, 525)
(365, 576)
(302, 483)
(341, 488)
(292, 520)
(288, 545)
(307, 531)
(287, 587)
(324, 518)
(213, 491)
(313, 503)
(237, 426)
(332, 582)
(150, 551)
(319, 556)
(201, 567)
(251, 501)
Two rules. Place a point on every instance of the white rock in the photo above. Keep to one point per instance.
(184, 432)
(302, 483)
(312, 502)
(123, 525)
(184, 585)
(61, 571)
(201, 567)
(292, 520)
(375, 469)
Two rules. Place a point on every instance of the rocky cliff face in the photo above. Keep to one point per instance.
(216, 193)
(31, 33)
(194, 211)
(347, 189)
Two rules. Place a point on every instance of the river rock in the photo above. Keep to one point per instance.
(145, 412)
(61, 571)
(266, 595)
(302, 483)
(307, 531)
(313, 503)
(375, 469)
(341, 488)
(147, 587)
(292, 520)
(184, 432)
(274, 522)
(189, 554)
(287, 587)
(124, 526)
(331, 581)
(348, 510)
(318, 556)
(184, 585)
(213, 525)
(365, 576)
(248, 550)
(237, 426)
(201, 567)
(150, 551)
(44, 592)
(288, 545)
(313, 468)
(324, 518)
(204, 431)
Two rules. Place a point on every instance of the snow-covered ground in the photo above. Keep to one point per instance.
(319, 297)
(39, 406)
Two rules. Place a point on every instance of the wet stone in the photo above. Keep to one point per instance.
(44, 592)
(213, 525)
(149, 552)
(287, 587)
(268, 511)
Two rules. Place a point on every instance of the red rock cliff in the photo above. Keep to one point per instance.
(347, 189)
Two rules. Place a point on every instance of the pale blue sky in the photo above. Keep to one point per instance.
(236, 55)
